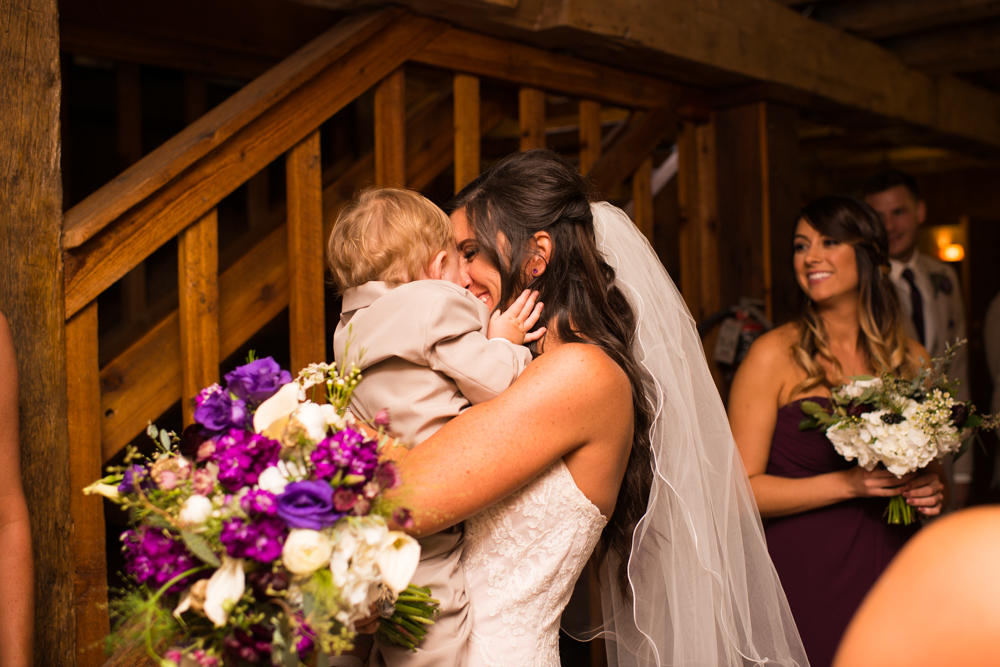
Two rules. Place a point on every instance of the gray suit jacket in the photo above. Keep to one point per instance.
(423, 352)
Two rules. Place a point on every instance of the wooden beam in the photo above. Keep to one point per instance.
(638, 141)
(590, 134)
(642, 197)
(966, 48)
(145, 380)
(699, 224)
(90, 570)
(736, 41)
(390, 131)
(757, 168)
(467, 138)
(31, 299)
(531, 116)
(198, 281)
(306, 319)
(163, 211)
(878, 19)
(473, 53)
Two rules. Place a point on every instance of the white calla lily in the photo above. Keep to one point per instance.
(283, 403)
(225, 586)
(397, 561)
(101, 489)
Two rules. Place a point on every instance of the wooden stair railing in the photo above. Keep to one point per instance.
(175, 190)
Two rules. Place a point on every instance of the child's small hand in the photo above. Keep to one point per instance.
(515, 323)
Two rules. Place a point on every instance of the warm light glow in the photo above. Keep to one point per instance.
(952, 252)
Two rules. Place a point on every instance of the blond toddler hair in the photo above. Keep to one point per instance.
(386, 234)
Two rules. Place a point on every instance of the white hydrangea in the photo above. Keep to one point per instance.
(924, 434)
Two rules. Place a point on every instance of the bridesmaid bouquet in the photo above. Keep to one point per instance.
(260, 534)
(900, 424)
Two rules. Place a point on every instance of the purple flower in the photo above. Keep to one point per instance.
(217, 410)
(252, 645)
(243, 456)
(259, 503)
(345, 451)
(306, 637)
(344, 499)
(262, 580)
(308, 505)
(135, 473)
(192, 438)
(403, 517)
(959, 414)
(260, 539)
(153, 558)
(257, 381)
(387, 475)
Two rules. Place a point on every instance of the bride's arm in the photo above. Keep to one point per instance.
(569, 397)
(753, 412)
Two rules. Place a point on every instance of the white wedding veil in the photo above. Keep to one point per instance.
(704, 590)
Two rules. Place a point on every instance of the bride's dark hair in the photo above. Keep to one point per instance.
(506, 205)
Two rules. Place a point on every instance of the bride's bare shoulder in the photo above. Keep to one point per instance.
(585, 368)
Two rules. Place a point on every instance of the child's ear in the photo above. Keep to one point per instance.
(435, 270)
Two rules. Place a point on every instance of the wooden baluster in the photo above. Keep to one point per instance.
(198, 282)
(531, 106)
(642, 197)
(305, 253)
(129, 121)
(90, 575)
(467, 139)
(390, 131)
(590, 135)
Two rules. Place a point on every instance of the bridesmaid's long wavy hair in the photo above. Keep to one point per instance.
(881, 334)
(539, 190)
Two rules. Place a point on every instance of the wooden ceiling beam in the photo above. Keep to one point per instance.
(878, 19)
(967, 48)
(738, 39)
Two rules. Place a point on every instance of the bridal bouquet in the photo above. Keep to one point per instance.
(901, 424)
(260, 534)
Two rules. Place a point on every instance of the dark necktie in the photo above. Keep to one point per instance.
(916, 305)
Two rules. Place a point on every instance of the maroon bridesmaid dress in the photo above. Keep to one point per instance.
(826, 558)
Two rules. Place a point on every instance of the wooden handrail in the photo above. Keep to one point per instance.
(130, 237)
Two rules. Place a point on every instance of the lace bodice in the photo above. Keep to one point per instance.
(522, 558)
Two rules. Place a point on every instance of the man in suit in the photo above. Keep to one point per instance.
(928, 292)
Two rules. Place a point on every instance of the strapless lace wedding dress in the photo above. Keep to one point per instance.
(522, 557)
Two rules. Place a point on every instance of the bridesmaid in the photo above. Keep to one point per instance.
(825, 527)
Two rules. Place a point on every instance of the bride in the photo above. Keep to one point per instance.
(614, 438)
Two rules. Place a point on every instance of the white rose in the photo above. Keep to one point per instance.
(398, 560)
(272, 480)
(311, 419)
(306, 551)
(195, 511)
(224, 589)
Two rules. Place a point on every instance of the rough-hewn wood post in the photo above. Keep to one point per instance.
(31, 295)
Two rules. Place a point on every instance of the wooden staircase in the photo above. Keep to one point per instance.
(175, 191)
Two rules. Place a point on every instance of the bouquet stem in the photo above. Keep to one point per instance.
(899, 512)
(415, 609)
